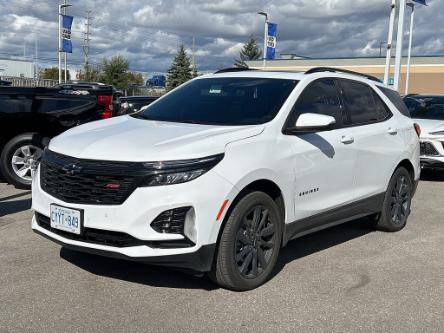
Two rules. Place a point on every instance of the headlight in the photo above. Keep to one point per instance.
(176, 172)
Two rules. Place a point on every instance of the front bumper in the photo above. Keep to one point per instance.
(135, 215)
(198, 261)
(432, 163)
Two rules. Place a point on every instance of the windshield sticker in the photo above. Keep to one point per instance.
(215, 89)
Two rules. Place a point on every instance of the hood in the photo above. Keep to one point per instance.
(129, 139)
(430, 126)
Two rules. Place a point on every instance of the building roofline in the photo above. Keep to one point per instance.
(350, 58)
(15, 59)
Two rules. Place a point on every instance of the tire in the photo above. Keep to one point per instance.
(249, 244)
(397, 202)
(18, 154)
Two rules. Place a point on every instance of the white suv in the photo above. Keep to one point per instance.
(428, 112)
(222, 172)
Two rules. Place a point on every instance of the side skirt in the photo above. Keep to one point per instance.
(333, 217)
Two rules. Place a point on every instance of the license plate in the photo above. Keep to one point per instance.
(66, 219)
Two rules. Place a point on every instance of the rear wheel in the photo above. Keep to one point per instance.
(397, 202)
(18, 158)
(249, 245)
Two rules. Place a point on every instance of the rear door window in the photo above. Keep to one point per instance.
(360, 102)
(397, 101)
(382, 108)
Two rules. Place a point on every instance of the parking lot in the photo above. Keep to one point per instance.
(345, 279)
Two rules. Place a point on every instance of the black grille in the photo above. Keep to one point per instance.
(82, 181)
(109, 238)
(171, 221)
(427, 149)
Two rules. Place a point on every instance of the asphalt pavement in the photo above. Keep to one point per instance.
(346, 279)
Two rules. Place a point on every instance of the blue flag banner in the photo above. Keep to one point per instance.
(66, 33)
(422, 2)
(271, 40)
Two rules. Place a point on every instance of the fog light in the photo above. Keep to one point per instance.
(190, 230)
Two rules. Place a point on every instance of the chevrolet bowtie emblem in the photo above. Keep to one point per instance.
(72, 169)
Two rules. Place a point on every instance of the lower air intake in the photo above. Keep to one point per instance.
(171, 221)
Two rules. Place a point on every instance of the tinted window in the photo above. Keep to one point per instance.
(426, 107)
(222, 101)
(320, 97)
(381, 108)
(360, 102)
(411, 103)
(394, 97)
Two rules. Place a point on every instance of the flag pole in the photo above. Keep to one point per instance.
(264, 58)
(265, 41)
(399, 42)
(390, 42)
(409, 57)
(60, 44)
(66, 56)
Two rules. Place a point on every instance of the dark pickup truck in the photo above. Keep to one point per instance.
(29, 117)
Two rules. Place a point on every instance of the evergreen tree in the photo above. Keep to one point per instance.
(250, 51)
(115, 72)
(180, 70)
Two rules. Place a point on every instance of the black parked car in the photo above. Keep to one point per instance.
(5, 83)
(131, 104)
(29, 117)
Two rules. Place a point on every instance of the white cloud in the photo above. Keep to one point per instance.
(148, 33)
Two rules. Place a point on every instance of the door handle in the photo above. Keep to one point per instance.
(392, 131)
(347, 139)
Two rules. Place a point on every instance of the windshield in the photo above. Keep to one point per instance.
(222, 101)
(426, 108)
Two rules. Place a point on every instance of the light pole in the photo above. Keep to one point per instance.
(60, 39)
(409, 56)
(265, 37)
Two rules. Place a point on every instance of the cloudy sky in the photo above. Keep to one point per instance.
(149, 32)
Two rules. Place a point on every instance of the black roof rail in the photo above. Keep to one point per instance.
(233, 70)
(338, 70)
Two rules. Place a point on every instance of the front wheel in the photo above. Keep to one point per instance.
(249, 245)
(397, 202)
(18, 157)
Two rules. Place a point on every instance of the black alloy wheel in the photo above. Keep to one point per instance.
(255, 242)
(400, 200)
(249, 243)
(397, 202)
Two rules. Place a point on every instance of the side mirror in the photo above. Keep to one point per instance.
(312, 122)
